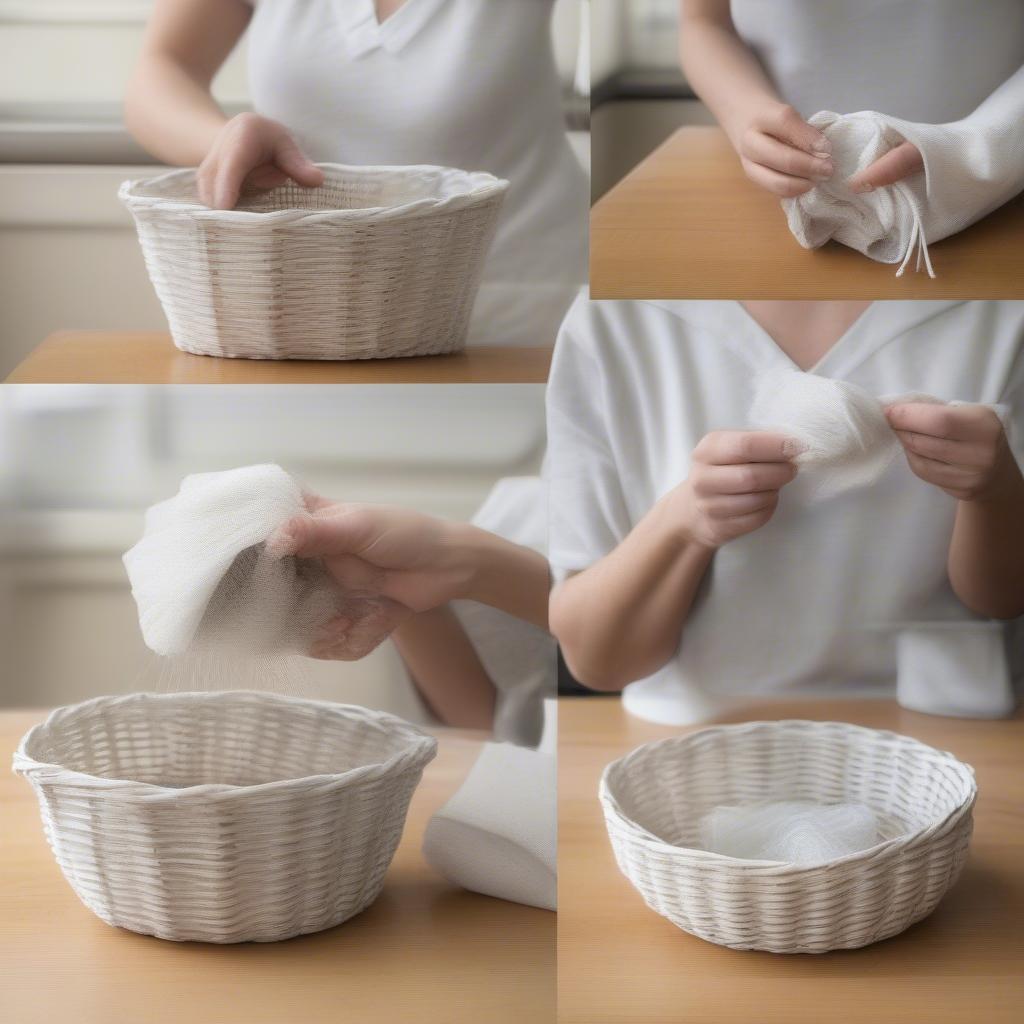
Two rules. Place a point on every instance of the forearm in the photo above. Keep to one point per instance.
(446, 670)
(171, 113)
(986, 554)
(621, 619)
(506, 576)
(722, 70)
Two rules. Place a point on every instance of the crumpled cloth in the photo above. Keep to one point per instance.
(972, 167)
(790, 832)
(201, 572)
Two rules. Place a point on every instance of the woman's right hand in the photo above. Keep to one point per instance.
(734, 484)
(780, 151)
(252, 151)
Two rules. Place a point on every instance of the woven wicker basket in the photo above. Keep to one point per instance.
(223, 817)
(377, 262)
(655, 797)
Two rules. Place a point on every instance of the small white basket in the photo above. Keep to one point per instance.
(654, 799)
(223, 817)
(377, 262)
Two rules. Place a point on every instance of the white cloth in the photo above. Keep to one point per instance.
(520, 658)
(791, 832)
(498, 835)
(812, 602)
(461, 83)
(200, 572)
(972, 167)
(924, 60)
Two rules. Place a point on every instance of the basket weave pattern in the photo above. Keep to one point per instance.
(377, 262)
(223, 817)
(655, 797)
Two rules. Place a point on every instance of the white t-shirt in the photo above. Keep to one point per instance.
(811, 604)
(931, 61)
(462, 83)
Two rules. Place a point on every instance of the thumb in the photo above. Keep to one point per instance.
(897, 164)
(293, 162)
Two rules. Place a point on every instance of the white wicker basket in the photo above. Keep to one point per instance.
(377, 262)
(655, 797)
(223, 817)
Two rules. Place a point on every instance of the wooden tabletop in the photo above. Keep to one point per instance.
(687, 224)
(130, 357)
(426, 951)
(619, 961)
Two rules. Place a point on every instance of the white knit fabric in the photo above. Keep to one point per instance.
(972, 167)
(201, 575)
(792, 832)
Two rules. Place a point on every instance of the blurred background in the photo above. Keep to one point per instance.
(68, 250)
(80, 463)
(639, 96)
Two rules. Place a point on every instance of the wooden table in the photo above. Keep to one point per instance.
(687, 224)
(120, 357)
(425, 951)
(619, 961)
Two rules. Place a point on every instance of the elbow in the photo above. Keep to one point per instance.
(592, 664)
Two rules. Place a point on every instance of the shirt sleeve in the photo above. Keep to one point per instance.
(588, 513)
(972, 166)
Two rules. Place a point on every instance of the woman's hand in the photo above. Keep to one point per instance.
(255, 152)
(961, 449)
(780, 151)
(899, 163)
(734, 484)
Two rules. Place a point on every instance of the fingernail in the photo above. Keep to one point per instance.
(825, 170)
(282, 542)
(823, 147)
(861, 187)
(791, 448)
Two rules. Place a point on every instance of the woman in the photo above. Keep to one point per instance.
(462, 83)
(694, 571)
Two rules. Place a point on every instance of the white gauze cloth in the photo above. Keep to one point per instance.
(498, 835)
(971, 167)
(791, 832)
(847, 439)
(201, 575)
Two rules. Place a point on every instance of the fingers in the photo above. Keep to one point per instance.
(290, 159)
(785, 124)
(331, 531)
(951, 422)
(788, 160)
(752, 478)
(235, 163)
(784, 186)
(734, 506)
(899, 163)
(953, 453)
(735, 447)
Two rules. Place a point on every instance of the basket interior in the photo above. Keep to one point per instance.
(230, 739)
(667, 788)
(353, 189)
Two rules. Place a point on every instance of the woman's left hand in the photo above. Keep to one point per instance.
(961, 449)
(900, 162)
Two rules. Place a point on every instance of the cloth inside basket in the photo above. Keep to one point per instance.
(791, 832)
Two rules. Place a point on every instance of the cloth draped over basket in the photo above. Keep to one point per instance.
(971, 167)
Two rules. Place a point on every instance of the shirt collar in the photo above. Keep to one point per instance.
(364, 33)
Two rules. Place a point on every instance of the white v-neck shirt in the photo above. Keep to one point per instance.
(810, 604)
(462, 83)
(931, 61)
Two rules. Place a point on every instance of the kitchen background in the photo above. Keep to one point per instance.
(68, 250)
(639, 95)
(79, 464)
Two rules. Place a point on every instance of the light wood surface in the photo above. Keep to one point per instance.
(425, 951)
(619, 961)
(119, 357)
(687, 224)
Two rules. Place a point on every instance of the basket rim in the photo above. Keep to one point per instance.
(420, 749)
(619, 822)
(483, 186)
